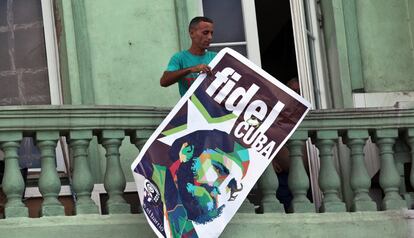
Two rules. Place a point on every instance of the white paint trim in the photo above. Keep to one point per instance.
(384, 99)
(307, 89)
(319, 50)
(33, 192)
(250, 29)
(228, 44)
(200, 7)
(52, 54)
(55, 86)
(309, 82)
(302, 50)
(314, 167)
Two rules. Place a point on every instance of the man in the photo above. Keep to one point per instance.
(185, 66)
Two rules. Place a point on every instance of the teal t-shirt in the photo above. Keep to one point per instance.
(184, 59)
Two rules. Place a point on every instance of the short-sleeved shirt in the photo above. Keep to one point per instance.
(184, 59)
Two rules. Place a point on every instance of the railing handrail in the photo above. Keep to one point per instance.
(55, 117)
(111, 124)
(80, 117)
(358, 118)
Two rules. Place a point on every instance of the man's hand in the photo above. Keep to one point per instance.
(171, 77)
(201, 68)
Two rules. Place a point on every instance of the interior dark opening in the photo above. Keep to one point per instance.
(276, 41)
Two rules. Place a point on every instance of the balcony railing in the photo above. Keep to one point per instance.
(111, 124)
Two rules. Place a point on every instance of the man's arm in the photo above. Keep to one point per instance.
(171, 77)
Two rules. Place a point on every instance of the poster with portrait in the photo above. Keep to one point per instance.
(199, 165)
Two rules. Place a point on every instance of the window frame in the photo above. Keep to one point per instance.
(55, 86)
(305, 61)
(312, 88)
(318, 96)
(52, 53)
(250, 30)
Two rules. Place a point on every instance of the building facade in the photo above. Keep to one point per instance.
(82, 76)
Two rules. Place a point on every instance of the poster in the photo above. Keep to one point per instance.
(197, 168)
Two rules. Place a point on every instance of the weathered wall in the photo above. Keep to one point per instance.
(332, 52)
(116, 54)
(369, 47)
(130, 45)
(386, 40)
(340, 225)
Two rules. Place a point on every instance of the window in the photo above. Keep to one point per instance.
(235, 26)
(269, 35)
(306, 19)
(285, 38)
(23, 64)
(29, 73)
(28, 56)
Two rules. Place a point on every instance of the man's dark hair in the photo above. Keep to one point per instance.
(194, 22)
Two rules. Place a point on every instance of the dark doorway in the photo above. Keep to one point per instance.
(276, 41)
(278, 58)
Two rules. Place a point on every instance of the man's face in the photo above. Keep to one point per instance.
(202, 34)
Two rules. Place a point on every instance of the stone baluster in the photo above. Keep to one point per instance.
(389, 176)
(410, 140)
(139, 137)
(329, 180)
(298, 179)
(360, 180)
(13, 183)
(268, 184)
(82, 177)
(49, 182)
(114, 180)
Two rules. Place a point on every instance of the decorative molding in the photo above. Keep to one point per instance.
(52, 53)
(70, 117)
(82, 43)
(83, 117)
(181, 12)
(302, 50)
(352, 38)
(343, 56)
(358, 118)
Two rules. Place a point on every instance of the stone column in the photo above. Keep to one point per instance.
(49, 182)
(114, 180)
(13, 183)
(360, 180)
(298, 178)
(389, 176)
(268, 184)
(82, 177)
(329, 180)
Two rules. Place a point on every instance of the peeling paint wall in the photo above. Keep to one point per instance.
(130, 44)
(386, 38)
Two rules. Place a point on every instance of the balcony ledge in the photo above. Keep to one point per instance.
(357, 224)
